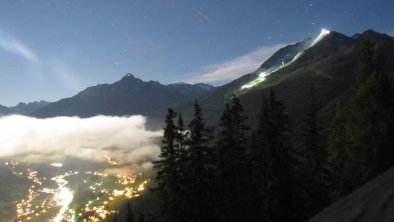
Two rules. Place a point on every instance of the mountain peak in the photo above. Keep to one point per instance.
(290, 53)
(179, 83)
(129, 76)
(333, 38)
(372, 35)
(204, 86)
(21, 104)
(128, 96)
(130, 79)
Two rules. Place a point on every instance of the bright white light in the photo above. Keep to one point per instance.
(325, 32)
(56, 164)
(118, 192)
(63, 198)
(246, 86)
(259, 79)
(322, 34)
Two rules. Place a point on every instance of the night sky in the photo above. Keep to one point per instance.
(54, 49)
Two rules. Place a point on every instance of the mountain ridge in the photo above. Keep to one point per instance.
(27, 108)
(331, 64)
(128, 96)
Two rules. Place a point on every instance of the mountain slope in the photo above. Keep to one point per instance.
(330, 62)
(128, 96)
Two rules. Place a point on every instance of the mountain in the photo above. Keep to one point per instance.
(127, 96)
(26, 109)
(329, 60)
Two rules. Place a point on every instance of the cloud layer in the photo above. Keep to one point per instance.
(233, 68)
(124, 139)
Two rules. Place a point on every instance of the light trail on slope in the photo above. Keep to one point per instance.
(263, 74)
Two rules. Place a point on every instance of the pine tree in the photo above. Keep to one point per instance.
(342, 168)
(240, 127)
(142, 218)
(223, 170)
(313, 172)
(311, 137)
(181, 137)
(182, 170)
(273, 162)
(129, 213)
(115, 218)
(260, 161)
(368, 125)
(232, 164)
(360, 141)
(167, 172)
(200, 167)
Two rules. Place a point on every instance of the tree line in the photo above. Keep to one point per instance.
(271, 173)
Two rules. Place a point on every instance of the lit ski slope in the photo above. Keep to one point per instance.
(263, 74)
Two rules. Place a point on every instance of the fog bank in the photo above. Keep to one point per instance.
(124, 139)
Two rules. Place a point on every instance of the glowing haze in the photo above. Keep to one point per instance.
(124, 139)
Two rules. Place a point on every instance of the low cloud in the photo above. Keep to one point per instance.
(124, 139)
(232, 68)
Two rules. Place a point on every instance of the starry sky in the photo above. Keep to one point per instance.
(53, 49)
